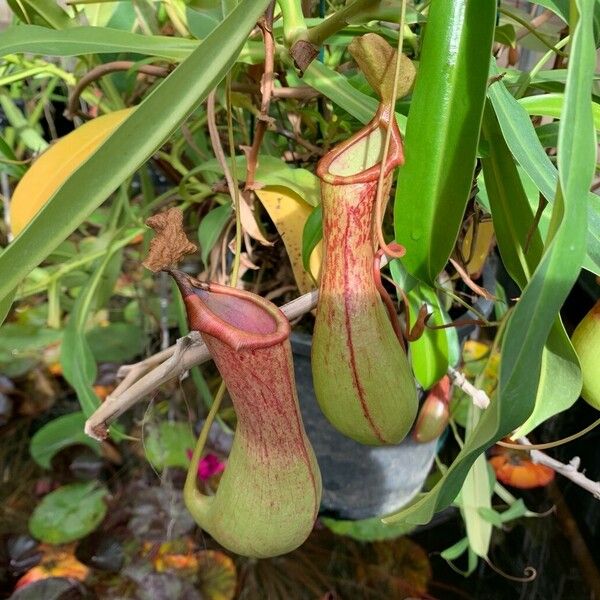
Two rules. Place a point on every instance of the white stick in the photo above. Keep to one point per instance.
(570, 471)
(479, 397)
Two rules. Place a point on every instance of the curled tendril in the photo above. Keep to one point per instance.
(529, 573)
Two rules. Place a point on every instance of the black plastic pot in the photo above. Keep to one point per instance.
(358, 481)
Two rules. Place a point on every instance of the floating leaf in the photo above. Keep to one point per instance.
(68, 513)
(58, 434)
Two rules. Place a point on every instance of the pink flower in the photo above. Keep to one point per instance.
(209, 465)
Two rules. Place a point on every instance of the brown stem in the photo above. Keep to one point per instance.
(105, 69)
(542, 203)
(470, 283)
(302, 92)
(215, 140)
(266, 85)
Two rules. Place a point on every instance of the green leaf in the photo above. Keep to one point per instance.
(21, 347)
(76, 358)
(401, 276)
(475, 495)
(116, 342)
(576, 150)
(11, 167)
(211, 227)
(532, 318)
(129, 145)
(505, 34)
(490, 515)
(429, 355)
(520, 248)
(548, 134)
(58, 434)
(522, 141)
(560, 381)
(551, 105)
(24, 131)
(456, 550)
(42, 12)
(273, 171)
(337, 88)
(5, 305)
(311, 235)
(68, 513)
(558, 7)
(442, 133)
(202, 23)
(366, 530)
(515, 511)
(91, 40)
(168, 444)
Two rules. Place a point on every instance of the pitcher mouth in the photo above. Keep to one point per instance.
(357, 160)
(238, 318)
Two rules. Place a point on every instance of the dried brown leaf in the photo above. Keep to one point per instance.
(170, 244)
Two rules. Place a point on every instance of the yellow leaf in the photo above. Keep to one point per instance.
(289, 212)
(483, 245)
(61, 159)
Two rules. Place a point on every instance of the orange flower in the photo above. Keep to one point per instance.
(515, 470)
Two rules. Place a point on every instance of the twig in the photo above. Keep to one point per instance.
(479, 397)
(570, 471)
(186, 353)
(470, 283)
(105, 69)
(301, 92)
(117, 403)
(266, 88)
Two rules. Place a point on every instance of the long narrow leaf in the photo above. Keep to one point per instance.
(525, 146)
(91, 40)
(521, 248)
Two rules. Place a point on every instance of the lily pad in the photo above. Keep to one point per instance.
(68, 513)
